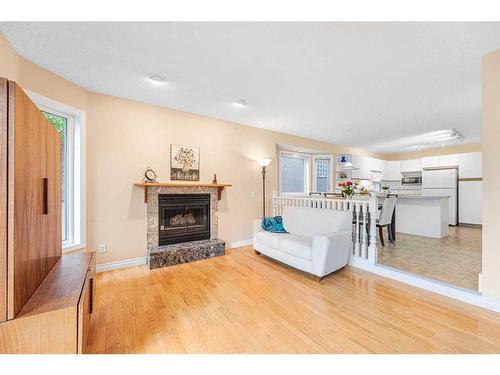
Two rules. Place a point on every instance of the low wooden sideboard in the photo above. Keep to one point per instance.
(56, 317)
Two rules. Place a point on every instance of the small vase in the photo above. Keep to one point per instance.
(185, 168)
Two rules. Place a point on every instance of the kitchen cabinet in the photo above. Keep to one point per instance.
(412, 165)
(365, 166)
(376, 164)
(470, 165)
(392, 171)
(362, 170)
(448, 160)
(470, 202)
(440, 161)
(430, 162)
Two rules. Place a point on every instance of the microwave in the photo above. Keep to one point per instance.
(411, 181)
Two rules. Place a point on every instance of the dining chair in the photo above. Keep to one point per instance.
(385, 218)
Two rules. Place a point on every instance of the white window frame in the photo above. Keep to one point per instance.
(330, 171)
(75, 137)
(307, 172)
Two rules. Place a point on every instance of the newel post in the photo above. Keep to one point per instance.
(372, 248)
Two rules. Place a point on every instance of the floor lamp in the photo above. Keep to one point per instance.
(264, 163)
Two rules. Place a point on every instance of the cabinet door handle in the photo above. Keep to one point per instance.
(45, 207)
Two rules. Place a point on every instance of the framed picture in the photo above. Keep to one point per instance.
(184, 163)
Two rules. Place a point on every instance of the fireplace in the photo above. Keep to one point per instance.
(183, 218)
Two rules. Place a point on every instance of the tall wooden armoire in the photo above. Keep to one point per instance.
(30, 226)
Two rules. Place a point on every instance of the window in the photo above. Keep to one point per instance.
(294, 173)
(322, 178)
(69, 122)
(61, 123)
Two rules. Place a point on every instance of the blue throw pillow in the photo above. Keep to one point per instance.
(273, 224)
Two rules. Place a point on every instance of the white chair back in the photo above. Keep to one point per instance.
(387, 210)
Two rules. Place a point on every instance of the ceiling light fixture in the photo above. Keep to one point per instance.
(157, 78)
(452, 135)
(241, 103)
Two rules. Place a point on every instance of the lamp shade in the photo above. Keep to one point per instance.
(265, 162)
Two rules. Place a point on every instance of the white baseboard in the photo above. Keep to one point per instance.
(120, 264)
(241, 243)
(430, 285)
(142, 260)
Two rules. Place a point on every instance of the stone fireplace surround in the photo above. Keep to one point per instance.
(163, 256)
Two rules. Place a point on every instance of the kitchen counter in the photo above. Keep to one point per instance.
(417, 196)
(423, 215)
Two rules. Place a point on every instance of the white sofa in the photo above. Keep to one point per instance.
(319, 241)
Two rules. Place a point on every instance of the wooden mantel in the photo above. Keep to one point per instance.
(220, 187)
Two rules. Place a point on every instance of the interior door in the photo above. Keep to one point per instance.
(34, 217)
(3, 199)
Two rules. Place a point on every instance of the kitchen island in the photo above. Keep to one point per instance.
(422, 215)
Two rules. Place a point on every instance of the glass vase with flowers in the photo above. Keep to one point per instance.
(347, 188)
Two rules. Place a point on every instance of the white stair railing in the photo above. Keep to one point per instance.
(364, 244)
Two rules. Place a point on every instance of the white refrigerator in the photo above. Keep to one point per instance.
(443, 182)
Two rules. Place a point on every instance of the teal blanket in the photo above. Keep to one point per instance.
(273, 224)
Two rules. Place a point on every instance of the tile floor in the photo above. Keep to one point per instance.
(455, 260)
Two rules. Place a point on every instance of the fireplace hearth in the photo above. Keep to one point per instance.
(183, 218)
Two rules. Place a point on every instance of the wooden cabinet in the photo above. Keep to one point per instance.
(39, 291)
(84, 311)
(56, 317)
(34, 198)
(3, 197)
(470, 165)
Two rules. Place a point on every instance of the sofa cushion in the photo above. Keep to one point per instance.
(268, 238)
(297, 246)
(310, 222)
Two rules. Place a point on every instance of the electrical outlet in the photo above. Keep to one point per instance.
(253, 194)
(101, 248)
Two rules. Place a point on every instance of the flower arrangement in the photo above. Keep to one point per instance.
(348, 188)
(186, 157)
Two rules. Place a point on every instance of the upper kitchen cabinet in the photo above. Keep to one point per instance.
(375, 165)
(440, 161)
(392, 170)
(413, 165)
(470, 165)
(448, 160)
(361, 164)
(365, 166)
(430, 162)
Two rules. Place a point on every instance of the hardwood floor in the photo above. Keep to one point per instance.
(247, 303)
(455, 260)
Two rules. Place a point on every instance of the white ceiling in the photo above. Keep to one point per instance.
(376, 86)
